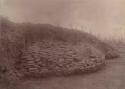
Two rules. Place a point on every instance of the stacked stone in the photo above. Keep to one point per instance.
(59, 58)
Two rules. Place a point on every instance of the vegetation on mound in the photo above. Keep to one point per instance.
(30, 41)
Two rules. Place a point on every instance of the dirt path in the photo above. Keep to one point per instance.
(112, 77)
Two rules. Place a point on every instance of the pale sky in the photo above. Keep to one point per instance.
(100, 16)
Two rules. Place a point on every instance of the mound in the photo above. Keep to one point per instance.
(43, 49)
(26, 33)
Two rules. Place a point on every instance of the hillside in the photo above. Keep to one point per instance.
(59, 51)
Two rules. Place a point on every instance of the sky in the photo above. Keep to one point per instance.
(103, 17)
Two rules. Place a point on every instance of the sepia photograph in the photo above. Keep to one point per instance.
(62, 44)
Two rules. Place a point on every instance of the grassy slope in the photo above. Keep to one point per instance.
(15, 37)
(26, 33)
